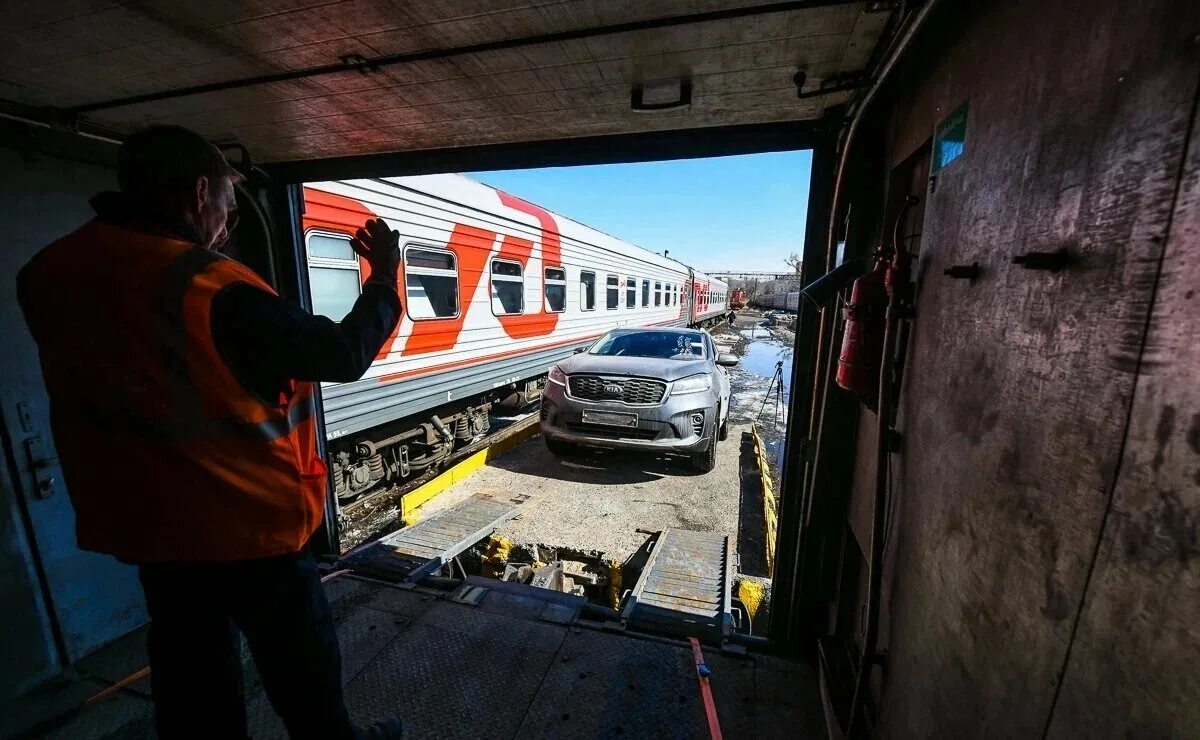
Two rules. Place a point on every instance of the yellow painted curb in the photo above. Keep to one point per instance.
(752, 594)
(770, 516)
(426, 492)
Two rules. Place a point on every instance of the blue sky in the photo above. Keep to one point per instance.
(745, 212)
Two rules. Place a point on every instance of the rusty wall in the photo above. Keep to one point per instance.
(1045, 561)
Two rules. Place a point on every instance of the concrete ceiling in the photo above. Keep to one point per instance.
(570, 75)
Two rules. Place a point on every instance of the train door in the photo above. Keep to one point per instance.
(91, 599)
(688, 289)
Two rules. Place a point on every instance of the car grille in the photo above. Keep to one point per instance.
(606, 432)
(633, 390)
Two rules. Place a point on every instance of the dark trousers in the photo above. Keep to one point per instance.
(196, 612)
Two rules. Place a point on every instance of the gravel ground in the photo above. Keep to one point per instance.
(595, 502)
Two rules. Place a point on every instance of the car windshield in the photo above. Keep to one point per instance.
(667, 345)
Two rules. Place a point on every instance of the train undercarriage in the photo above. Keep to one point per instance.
(405, 449)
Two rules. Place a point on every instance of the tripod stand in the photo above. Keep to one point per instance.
(776, 384)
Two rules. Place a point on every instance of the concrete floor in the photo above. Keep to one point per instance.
(508, 665)
(595, 501)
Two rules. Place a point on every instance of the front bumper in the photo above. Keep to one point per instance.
(667, 427)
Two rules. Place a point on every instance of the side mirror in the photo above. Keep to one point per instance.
(579, 350)
(727, 359)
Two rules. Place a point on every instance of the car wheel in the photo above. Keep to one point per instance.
(707, 460)
(559, 448)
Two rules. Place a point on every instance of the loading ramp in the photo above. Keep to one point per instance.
(411, 553)
(684, 587)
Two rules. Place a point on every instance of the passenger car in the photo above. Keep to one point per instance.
(641, 389)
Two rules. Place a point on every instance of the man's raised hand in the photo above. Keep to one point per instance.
(380, 247)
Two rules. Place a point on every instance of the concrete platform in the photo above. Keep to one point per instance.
(508, 667)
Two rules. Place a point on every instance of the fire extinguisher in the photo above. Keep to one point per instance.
(862, 344)
(866, 314)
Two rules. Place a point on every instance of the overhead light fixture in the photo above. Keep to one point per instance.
(670, 93)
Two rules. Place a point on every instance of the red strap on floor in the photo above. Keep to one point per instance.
(710, 706)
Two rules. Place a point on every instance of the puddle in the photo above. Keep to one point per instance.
(756, 397)
(761, 358)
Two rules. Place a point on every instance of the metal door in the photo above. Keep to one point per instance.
(93, 598)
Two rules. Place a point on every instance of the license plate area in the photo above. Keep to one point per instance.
(610, 418)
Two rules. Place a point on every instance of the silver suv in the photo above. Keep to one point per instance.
(641, 389)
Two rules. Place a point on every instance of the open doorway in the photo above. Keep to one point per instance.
(525, 293)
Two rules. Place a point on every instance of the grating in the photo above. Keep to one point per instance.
(634, 391)
(599, 430)
(414, 552)
(684, 587)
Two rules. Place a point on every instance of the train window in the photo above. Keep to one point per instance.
(630, 292)
(645, 293)
(556, 289)
(508, 288)
(658, 294)
(430, 283)
(587, 291)
(333, 278)
(674, 295)
(612, 290)
(333, 290)
(327, 246)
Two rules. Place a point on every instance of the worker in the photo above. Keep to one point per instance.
(181, 390)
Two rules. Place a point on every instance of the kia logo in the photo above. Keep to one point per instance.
(612, 389)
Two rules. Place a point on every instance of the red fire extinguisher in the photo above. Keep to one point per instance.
(867, 314)
(862, 345)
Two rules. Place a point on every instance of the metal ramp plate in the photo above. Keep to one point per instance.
(414, 552)
(684, 587)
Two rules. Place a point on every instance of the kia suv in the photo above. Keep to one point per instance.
(661, 390)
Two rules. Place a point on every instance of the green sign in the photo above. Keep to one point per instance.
(951, 138)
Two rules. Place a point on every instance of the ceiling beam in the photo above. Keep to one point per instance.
(653, 146)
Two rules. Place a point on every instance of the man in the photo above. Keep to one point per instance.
(181, 393)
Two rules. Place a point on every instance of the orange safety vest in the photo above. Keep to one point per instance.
(166, 455)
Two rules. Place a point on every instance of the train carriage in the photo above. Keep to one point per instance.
(495, 291)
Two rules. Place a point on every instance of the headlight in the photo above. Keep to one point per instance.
(557, 376)
(691, 384)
